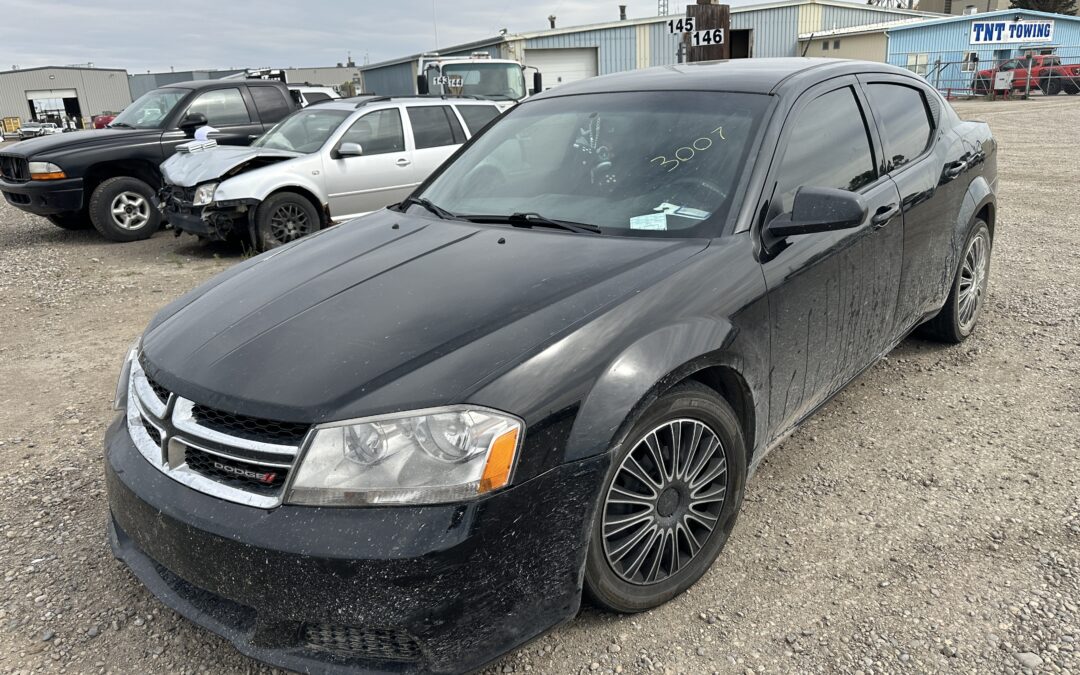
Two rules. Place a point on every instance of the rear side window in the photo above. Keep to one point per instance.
(904, 121)
(270, 103)
(435, 126)
(477, 116)
(313, 96)
(828, 146)
(377, 132)
(222, 107)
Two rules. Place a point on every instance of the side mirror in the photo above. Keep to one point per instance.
(421, 85)
(192, 121)
(538, 82)
(816, 209)
(350, 150)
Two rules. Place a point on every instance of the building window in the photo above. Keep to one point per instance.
(825, 46)
(970, 62)
(836, 44)
(917, 63)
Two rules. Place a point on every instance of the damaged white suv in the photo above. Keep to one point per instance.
(323, 164)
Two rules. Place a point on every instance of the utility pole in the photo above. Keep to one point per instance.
(708, 16)
(661, 7)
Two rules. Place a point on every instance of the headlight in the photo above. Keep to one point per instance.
(120, 398)
(422, 457)
(45, 171)
(204, 194)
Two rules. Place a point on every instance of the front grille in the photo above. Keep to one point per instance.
(242, 475)
(383, 644)
(14, 168)
(161, 392)
(152, 431)
(250, 428)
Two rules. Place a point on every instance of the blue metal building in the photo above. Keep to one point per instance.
(948, 51)
(567, 54)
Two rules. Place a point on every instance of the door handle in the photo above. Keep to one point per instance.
(403, 162)
(884, 215)
(956, 168)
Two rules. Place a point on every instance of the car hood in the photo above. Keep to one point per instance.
(52, 143)
(390, 312)
(189, 169)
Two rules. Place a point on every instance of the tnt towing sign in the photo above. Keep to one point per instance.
(1005, 32)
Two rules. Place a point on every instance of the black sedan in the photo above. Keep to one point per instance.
(413, 442)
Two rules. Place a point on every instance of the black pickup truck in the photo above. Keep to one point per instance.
(109, 178)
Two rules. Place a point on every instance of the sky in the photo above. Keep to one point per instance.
(196, 34)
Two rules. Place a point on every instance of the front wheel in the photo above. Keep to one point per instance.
(282, 218)
(122, 209)
(956, 320)
(1051, 86)
(669, 501)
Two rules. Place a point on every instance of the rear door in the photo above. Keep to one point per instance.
(925, 162)
(270, 104)
(381, 176)
(476, 116)
(436, 134)
(832, 295)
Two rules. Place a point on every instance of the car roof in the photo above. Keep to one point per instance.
(758, 76)
(214, 84)
(371, 102)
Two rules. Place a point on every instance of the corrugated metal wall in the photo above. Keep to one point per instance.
(616, 47)
(395, 80)
(833, 17)
(775, 30)
(144, 82)
(98, 90)
(947, 42)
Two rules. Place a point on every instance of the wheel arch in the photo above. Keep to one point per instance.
(322, 209)
(660, 361)
(142, 169)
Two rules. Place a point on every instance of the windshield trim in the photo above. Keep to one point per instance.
(738, 217)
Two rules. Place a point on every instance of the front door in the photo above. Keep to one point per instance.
(384, 174)
(832, 295)
(226, 111)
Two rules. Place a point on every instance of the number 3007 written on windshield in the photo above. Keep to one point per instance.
(687, 152)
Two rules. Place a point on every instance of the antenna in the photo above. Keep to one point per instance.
(661, 7)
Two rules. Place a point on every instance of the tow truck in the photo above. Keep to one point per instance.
(477, 75)
(1047, 73)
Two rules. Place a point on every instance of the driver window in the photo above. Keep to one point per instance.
(828, 146)
(222, 107)
(377, 132)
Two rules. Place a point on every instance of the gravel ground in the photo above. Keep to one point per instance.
(928, 519)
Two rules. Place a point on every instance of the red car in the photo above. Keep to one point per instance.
(102, 121)
(1047, 74)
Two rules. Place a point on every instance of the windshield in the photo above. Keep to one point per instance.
(150, 110)
(659, 164)
(304, 131)
(32, 125)
(499, 81)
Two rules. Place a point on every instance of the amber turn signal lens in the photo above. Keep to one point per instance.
(500, 461)
(52, 175)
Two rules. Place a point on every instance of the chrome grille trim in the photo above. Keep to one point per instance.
(184, 420)
(174, 421)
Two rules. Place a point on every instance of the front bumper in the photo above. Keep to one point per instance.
(445, 588)
(45, 197)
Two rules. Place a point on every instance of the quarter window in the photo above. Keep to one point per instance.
(378, 132)
(270, 103)
(222, 107)
(828, 146)
(434, 126)
(904, 121)
(477, 116)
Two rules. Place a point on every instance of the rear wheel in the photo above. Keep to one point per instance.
(1051, 86)
(981, 86)
(669, 501)
(70, 221)
(282, 218)
(957, 318)
(122, 209)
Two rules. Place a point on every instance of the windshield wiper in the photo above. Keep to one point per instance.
(426, 203)
(533, 220)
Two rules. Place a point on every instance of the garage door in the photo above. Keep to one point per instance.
(560, 66)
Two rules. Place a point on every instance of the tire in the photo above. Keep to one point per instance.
(957, 319)
(282, 218)
(70, 221)
(614, 579)
(981, 86)
(123, 208)
(1051, 86)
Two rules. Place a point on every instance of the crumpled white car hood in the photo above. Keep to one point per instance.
(190, 169)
